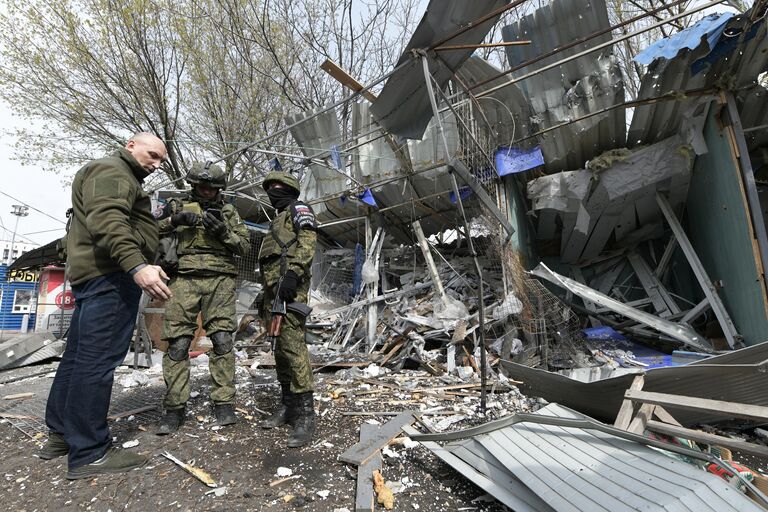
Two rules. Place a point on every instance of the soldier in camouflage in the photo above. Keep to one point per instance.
(210, 234)
(285, 260)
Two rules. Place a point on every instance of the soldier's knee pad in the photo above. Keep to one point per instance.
(222, 342)
(178, 348)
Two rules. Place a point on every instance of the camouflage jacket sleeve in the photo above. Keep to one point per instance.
(108, 197)
(237, 239)
(304, 223)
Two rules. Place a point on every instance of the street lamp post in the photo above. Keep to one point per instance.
(18, 211)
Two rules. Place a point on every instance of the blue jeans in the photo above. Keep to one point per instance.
(99, 337)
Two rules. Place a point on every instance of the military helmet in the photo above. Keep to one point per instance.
(207, 174)
(281, 177)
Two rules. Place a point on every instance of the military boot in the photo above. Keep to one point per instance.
(225, 414)
(304, 426)
(54, 447)
(285, 413)
(171, 421)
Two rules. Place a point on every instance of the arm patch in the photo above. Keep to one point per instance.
(303, 217)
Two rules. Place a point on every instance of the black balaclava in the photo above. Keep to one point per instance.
(216, 202)
(281, 197)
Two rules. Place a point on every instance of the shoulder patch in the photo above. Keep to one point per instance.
(302, 215)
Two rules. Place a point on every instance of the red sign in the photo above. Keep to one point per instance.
(65, 300)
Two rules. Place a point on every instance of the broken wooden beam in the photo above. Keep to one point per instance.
(364, 497)
(361, 451)
(689, 403)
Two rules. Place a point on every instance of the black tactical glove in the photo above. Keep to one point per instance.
(288, 286)
(184, 219)
(214, 225)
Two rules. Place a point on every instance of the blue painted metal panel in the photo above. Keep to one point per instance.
(513, 160)
(10, 321)
(710, 27)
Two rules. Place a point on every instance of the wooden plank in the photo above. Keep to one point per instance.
(361, 451)
(689, 403)
(627, 407)
(712, 439)
(364, 496)
(641, 418)
(345, 79)
(664, 416)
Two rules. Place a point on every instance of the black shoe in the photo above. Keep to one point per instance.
(170, 422)
(286, 412)
(304, 426)
(56, 446)
(225, 414)
(115, 460)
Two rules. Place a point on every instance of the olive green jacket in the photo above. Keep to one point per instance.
(112, 225)
(201, 252)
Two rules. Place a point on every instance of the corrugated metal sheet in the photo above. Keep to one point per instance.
(403, 106)
(576, 469)
(729, 64)
(709, 27)
(740, 376)
(587, 84)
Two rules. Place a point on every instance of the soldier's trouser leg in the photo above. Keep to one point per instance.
(218, 311)
(292, 357)
(179, 329)
(176, 372)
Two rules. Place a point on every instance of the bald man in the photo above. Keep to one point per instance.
(111, 244)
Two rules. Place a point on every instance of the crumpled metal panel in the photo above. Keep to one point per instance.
(403, 106)
(739, 376)
(571, 468)
(507, 109)
(581, 86)
(729, 64)
(710, 27)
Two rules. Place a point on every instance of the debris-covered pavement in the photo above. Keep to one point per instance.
(251, 468)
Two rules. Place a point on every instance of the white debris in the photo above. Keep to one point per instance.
(134, 379)
(511, 305)
(194, 394)
(373, 370)
(372, 421)
(324, 493)
(409, 443)
(201, 360)
(389, 452)
(131, 444)
(465, 372)
(343, 509)
(255, 365)
(281, 471)
(205, 342)
(219, 491)
(369, 273)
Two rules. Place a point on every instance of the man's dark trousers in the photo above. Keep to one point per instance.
(99, 337)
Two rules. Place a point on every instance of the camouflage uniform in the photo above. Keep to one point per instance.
(287, 251)
(291, 354)
(205, 284)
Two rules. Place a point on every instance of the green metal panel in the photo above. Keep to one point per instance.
(718, 227)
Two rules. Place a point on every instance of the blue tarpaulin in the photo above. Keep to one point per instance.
(710, 27)
(464, 192)
(367, 198)
(336, 157)
(513, 160)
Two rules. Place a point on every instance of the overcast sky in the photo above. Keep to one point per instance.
(33, 186)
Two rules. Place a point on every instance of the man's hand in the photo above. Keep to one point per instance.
(152, 279)
(184, 219)
(214, 225)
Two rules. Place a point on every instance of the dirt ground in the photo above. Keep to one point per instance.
(243, 457)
